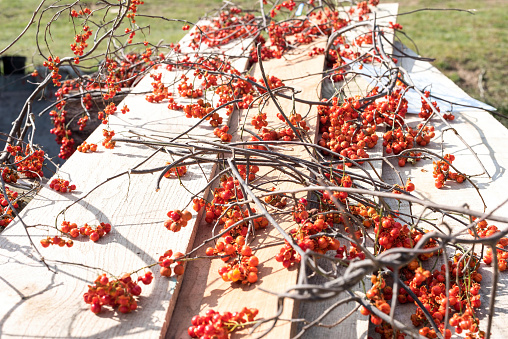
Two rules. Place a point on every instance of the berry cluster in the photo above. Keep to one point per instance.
(398, 26)
(310, 236)
(125, 109)
(425, 135)
(198, 204)
(9, 175)
(119, 293)
(12, 196)
(186, 89)
(53, 65)
(225, 28)
(285, 134)
(345, 181)
(259, 121)
(82, 12)
(109, 110)
(67, 148)
(411, 157)
(93, 232)
(364, 39)
(276, 200)
(165, 262)
(391, 233)
(316, 51)
(132, 33)
(240, 265)
(80, 43)
(61, 185)
(30, 164)
(82, 122)
(63, 134)
(159, 91)
(87, 102)
(368, 215)
(13, 150)
(392, 111)
(483, 230)
(442, 171)
(222, 133)
(426, 110)
(341, 134)
(243, 267)
(296, 120)
(56, 240)
(288, 256)
(363, 6)
(5, 220)
(107, 142)
(200, 109)
(300, 213)
(273, 83)
(398, 140)
(239, 88)
(409, 187)
(241, 270)
(448, 116)
(463, 298)
(176, 172)
(174, 105)
(177, 220)
(86, 147)
(216, 325)
(378, 295)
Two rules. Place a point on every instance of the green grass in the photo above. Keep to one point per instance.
(464, 45)
(13, 19)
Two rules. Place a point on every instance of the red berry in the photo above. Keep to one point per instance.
(94, 236)
(95, 308)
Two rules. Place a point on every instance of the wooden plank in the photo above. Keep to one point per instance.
(51, 305)
(203, 288)
(488, 139)
(197, 297)
(356, 325)
(360, 86)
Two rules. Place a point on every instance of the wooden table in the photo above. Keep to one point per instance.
(39, 303)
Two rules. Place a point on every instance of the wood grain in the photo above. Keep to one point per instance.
(356, 325)
(203, 288)
(50, 304)
(488, 139)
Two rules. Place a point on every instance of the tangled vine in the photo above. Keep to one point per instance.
(345, 226)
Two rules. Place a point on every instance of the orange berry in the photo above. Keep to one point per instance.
(252, 277)
(253, 261)
(186, 215)
(179, 269)
(166, 271)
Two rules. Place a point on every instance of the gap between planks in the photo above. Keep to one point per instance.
(356, 325)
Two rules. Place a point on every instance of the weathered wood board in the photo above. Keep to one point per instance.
(356, 325)
(39, 303)
(357, 85)
(202, 287)
(488, 139)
